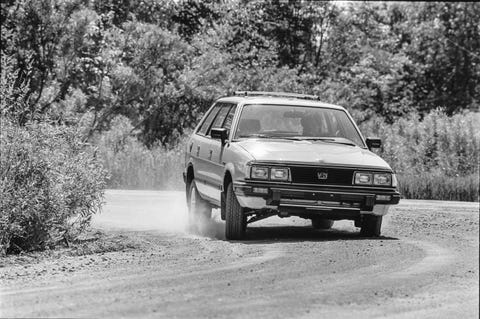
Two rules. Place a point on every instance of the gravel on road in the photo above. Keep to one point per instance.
(425, 265)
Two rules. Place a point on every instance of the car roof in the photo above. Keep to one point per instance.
(278, 100)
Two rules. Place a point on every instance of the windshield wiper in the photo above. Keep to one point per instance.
(270, 136)
(337, 140)
(344, 141)
(255, 135)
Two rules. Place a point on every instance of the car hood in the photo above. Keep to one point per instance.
(311, 152)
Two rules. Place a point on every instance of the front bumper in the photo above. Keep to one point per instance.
(347, 202)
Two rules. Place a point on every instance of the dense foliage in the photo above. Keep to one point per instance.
(162, 63)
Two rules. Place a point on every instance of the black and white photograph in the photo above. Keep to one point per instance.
(239, 159)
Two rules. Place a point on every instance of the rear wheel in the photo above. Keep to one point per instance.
(320, 223)
(235, 220)
(371, 226)
(199, 211)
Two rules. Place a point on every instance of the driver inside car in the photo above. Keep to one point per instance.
(311, 126)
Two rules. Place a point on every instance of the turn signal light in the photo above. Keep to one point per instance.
(260, 190)
(383, 198)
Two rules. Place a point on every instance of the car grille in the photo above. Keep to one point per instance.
(316, 175)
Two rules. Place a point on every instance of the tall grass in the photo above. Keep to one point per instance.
(134, 166)
(436, 185)
(435, 157)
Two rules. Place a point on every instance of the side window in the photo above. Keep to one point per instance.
(228, 120)
(206, 124)
(222, 114)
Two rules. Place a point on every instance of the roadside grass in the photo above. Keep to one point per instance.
(434, 185)
(131, 165)
(435, 157)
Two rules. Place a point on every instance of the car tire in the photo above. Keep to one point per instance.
(223, 205)
(321, 223)
(235, 220)
(199, 210)
(371, 226)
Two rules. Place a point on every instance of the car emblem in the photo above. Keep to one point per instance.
(322, 175)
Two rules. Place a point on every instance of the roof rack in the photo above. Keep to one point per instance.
(279, 94)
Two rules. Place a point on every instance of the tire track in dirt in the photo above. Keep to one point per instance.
(14, 298)
(436, 257)
(268, 255)
(427, 268)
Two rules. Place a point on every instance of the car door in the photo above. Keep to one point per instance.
(197, 147)
(211, 155)
(217, 162)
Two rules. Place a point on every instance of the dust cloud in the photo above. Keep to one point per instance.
(163, 211)
(213, 227)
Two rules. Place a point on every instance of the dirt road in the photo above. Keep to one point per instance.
(425, 266)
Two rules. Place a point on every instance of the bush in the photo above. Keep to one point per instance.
(50, 185)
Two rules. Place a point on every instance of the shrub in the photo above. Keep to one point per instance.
(50, 185)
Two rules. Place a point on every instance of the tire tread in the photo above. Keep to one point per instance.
(234, 220)
(371, 226)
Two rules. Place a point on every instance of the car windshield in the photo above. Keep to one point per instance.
(298, 123)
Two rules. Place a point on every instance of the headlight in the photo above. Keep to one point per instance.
(280, 174)
(384, 179)
(259, 172)
(394, 180)
(362, 178)
(370, 178)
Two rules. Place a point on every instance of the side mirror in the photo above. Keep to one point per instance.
(373, 142)
(219, 133)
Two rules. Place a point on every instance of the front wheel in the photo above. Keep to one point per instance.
(235, 220)
(199, 211)
(371, 226)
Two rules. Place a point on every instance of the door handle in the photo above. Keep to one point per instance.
(198, 150)
(210, 155)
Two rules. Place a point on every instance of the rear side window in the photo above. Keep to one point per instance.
(208, 120)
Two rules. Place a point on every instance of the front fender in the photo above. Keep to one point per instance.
(236, 159)
(229, 168)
